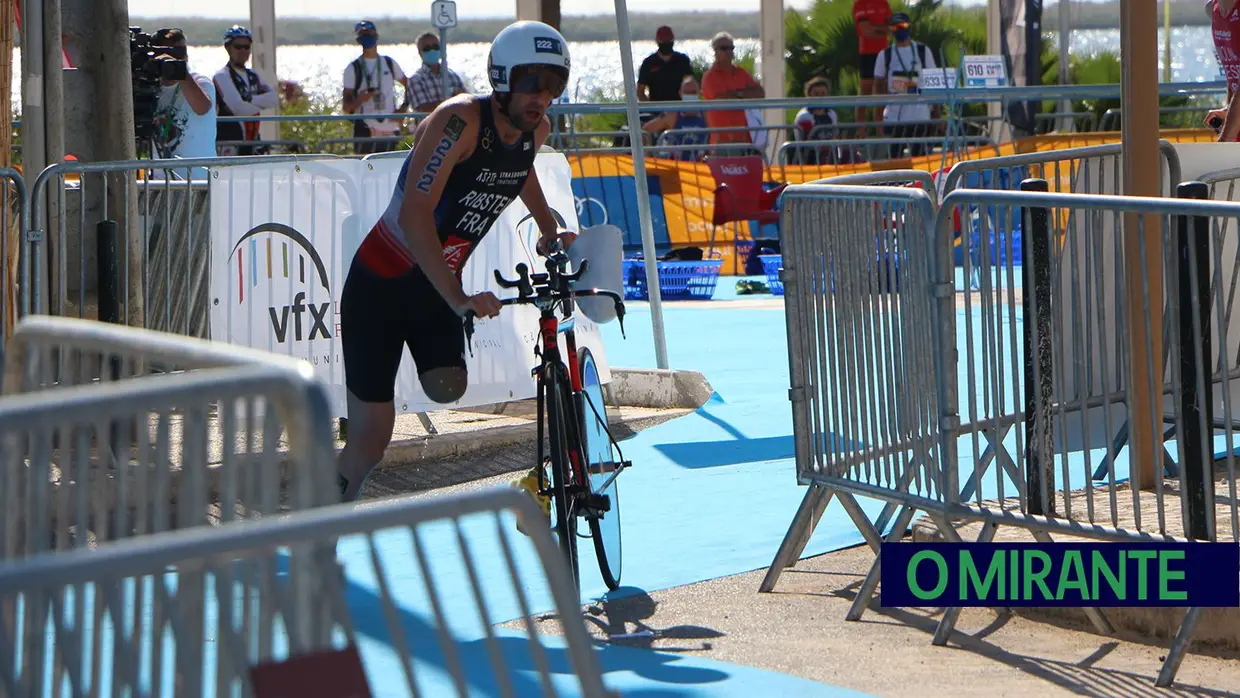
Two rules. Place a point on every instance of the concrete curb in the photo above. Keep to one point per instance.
(471, 443)
(661, 389)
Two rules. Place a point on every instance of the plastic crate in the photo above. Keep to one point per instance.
(771, 264)
(678, 281)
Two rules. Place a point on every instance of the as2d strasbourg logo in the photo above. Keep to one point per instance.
(283, 254)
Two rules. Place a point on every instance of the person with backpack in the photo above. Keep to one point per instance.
(370, 88)
(897, 70)
(242, 92)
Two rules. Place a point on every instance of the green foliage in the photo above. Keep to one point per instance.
(311, 133)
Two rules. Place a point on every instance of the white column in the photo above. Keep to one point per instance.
(771, 33)
(994, 47)
(529, 10)
(263, 56)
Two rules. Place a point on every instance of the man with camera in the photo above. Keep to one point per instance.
(185, 112)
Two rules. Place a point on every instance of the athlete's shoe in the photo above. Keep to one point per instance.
(529, 483)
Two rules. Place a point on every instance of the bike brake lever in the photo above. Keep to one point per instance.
(620, 318)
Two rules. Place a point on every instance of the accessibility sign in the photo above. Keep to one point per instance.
(443, 14)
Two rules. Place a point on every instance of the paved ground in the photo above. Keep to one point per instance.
(800, 629)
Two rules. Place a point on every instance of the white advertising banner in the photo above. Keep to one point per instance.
(283, 237)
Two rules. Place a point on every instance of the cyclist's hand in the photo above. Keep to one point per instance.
(566, 239)
(483, 304)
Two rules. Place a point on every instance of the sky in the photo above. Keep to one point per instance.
(232, 9)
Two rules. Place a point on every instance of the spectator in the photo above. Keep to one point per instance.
(1225, 23)
(240, 92)
(870, 17)
(816, 124)
(370, 88)
(725, 80)
(659, 78)
(427, 85)
(185, 113)
(896, 71)
(673, 124)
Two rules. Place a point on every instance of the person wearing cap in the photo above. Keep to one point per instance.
(897, 71)
(427, 84)
(660, 75)
(370, 88)
(240, 92)
(870, 17)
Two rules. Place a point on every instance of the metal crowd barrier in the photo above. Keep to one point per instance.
(302, 600)
(119, 432)
(13, 227)
(895, 399)
(159, 224)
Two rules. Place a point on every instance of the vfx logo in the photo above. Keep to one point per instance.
(278, 258)
(318, 319)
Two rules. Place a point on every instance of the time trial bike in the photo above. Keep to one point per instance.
(571, 414)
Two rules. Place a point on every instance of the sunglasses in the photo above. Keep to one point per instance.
(431, 47)
(241, 47)
(729, 47)
(536, 80)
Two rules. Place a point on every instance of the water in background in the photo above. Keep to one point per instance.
(596, 64)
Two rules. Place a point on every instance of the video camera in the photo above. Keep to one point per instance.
(148, 66)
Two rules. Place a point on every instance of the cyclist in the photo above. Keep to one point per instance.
(472, 156)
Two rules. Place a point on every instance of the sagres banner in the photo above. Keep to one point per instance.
(283, 237)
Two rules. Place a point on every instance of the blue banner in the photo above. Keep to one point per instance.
(1060, 574)
(613, 199)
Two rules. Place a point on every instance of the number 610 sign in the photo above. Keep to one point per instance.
(984, 71)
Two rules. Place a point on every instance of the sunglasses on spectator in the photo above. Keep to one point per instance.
(430, 47)
(535, 80)
(241, 47)
(727, 47)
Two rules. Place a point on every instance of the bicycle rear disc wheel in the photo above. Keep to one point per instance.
(601, 464)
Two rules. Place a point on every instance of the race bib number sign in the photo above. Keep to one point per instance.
(984, 71)
(938, 79)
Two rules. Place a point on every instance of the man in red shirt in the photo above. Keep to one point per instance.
(870, 18)
(1225, 26)
(726, 80)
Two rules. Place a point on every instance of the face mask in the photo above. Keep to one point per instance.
(431, 57)
(665, 47)
(902, 34)
(689, 98)
(368, 40)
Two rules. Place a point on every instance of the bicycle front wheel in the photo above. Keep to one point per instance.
(601, 469)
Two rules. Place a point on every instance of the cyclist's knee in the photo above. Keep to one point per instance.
(444, 385)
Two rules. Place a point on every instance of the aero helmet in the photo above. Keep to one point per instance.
(524, 45)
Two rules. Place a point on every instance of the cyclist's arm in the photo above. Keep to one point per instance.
(532, 194)
(440, 141)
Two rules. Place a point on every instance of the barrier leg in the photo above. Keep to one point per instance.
(947, 623)
(812, 505)
(866, 592)
(1179, 646)
(1095, 616)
